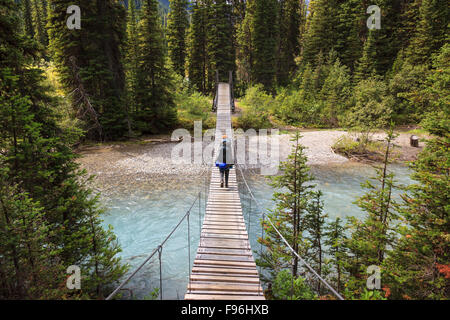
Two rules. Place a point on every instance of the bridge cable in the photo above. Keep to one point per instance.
(158, 249)
(288, 245)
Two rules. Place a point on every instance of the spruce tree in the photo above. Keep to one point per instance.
(131, 62)
(244, 46)
(291, 18)
(89, 62)
(41, 179)
(418, 267)
(177, 25)
(156, 110)
(39, 21)
(289, 216)
(335, 239)
(265, 32)
(315, 222)
(320, 36)
(28, 18)
(335, 92)
(220, 39)
(29, 269)
(374, 236)
(197, 53)
(431, 33)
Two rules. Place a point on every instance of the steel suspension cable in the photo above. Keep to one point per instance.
(124, 282)
(288, 245)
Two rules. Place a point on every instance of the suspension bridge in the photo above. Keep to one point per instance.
(224, 267)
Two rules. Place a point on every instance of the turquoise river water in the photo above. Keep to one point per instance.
(143, 216)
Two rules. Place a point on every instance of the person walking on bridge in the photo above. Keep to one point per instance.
(224, 161)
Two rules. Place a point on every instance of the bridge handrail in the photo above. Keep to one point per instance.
(284, 240)
(158, 249)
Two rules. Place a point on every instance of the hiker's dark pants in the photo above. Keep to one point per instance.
(225, 172)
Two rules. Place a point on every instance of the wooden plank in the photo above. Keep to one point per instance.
(224, 267)
(225, 263)
(220, 278)
(224, 287)
(208, 256)
(224, 224)
(223, 236)
(217, 243)
(222, 231)
(203, 269)
(224, 251)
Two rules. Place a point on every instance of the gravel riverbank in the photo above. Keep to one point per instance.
(116, 164)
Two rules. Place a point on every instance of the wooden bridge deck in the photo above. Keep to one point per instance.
(224, 267)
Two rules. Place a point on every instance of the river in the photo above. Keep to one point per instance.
(143, 214)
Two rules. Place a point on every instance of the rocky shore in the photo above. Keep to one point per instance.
(118, 163)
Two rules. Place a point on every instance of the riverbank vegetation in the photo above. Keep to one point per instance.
(134, 68)
(401, 243)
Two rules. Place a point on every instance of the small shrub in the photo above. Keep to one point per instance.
(285, 289)
(256, 106)
(194, 107)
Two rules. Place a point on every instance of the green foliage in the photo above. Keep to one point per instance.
(418, 267)
(42, 188)
(265, 29)
(299, 217)
(89, 63)
(431, 32)
(375, 235)
(155, 107)
(193, 106)
(372, 108)
(199, 68)
(292, 14)
(177, 25)
(220, 39)
(132, 61)
(334, 242)
(286, 288)
(256, 106)
(315, 223)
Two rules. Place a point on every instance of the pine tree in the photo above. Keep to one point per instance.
(156, 110)
(220, 39)
(28, 17)
(132, 58)
(336, 92)
(39, 21)
(350, 26)
(366, 65)
(28, 269)
(244, 46)
(320, 36)
(291, 15)
(89, 62)
(431, 33)
(335, 239)
(177, 25)
(372, 237)
(198, 57)
(315, 222)
(290, 214)
(265, 33)
(41, 179)
(418, 267)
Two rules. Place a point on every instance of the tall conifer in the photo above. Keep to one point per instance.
(177, 25)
